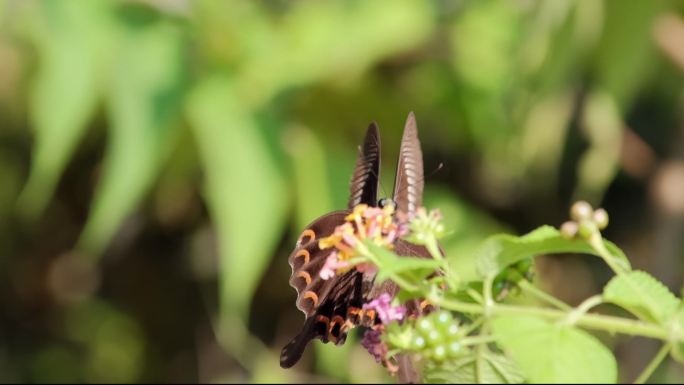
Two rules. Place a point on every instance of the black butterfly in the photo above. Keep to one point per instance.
(333, 306)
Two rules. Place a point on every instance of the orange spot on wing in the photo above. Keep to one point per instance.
(368, 317)
(324, 319)
(308, 233)
(312, 296)
(306, 276)
(303, 253)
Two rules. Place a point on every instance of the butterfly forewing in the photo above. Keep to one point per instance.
(408, 183)
(364, 183)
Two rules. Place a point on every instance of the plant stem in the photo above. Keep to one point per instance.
(596, 241)
(583, 308)
(653, 365)
(529, 288)
(591, 321)
(479, 358)
(479, 340)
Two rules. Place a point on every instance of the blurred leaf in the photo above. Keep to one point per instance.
(496, 369)
(73, 39)
(554, 353)
(483, 41)
(503, 250)
(55, 364)
(245, 190)
(467, 226)
(312, 191)
(678, 327)
(307, 45)
(114, 344)
(333, 360)
(643, 295)
(626, 49)
(603, 128)
(145, 93)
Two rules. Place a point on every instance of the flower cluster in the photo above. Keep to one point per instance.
(372, 339)
(383, 307)
(425, 226)
(379, 225)
(585, 222)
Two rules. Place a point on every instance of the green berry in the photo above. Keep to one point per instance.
(452, 331)
(454, 350)
(443, 319)
(439, 353)
(418, 343)
(434, 337)
(425, 326)
(580, 211)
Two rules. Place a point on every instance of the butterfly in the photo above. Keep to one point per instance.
(334, 306)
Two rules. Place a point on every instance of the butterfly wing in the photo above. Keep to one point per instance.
(408, 183)
(331, 305)
(364, 183)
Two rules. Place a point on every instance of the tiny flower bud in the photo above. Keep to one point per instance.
(587, 228)
(581, 210)
(601, 218)
(569, 229)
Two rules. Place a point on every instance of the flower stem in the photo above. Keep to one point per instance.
(479, 340)
(529, 288)
(653, 365)
(596, 242)
(591, 321)
(583, 308)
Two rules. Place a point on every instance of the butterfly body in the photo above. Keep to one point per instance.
(333, 306)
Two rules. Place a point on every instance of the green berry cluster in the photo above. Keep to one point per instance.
(436, 337)
(585, 221)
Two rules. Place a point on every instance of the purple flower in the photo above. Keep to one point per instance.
(386, 312)
(373, 343)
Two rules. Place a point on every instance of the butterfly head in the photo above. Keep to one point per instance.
(382, 203)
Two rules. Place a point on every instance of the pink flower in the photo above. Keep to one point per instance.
(386, 312)
(373, 343)
(332, 264)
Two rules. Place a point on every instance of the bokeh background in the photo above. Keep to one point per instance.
(159, 158)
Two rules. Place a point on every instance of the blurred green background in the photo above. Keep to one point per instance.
(159, 158)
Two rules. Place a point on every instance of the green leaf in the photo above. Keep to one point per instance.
(144, 97)
(503, 250)
(677, 351)
(497, 369)
(643, 295)
(390, 263)
(72, 41)
(309, 170)
(552, 353)
(245, 190)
